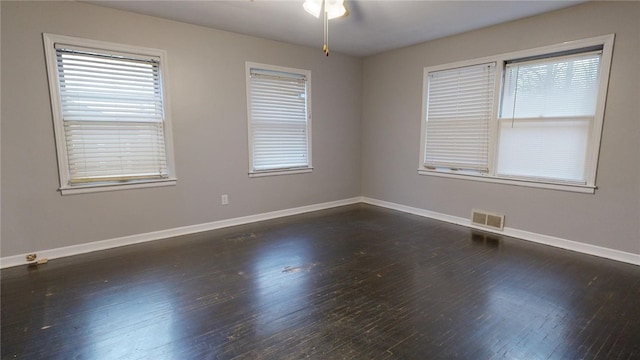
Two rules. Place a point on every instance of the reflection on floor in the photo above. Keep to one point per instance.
(356, 282)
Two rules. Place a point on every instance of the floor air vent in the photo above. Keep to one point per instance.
(488, 220)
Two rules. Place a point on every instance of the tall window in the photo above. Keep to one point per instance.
(109, 115)
(278, 106)
(460, 108)
(539, 126)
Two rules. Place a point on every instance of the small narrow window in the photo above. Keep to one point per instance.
(109, 114)
(279, 120)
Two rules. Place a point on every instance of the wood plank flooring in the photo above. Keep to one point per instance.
(355, 282)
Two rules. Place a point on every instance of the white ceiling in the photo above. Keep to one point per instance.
(371, 26)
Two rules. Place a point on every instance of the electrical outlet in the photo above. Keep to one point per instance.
(224, 199)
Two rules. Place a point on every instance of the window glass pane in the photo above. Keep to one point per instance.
(102, 151)
(552, 149)
(554, 87)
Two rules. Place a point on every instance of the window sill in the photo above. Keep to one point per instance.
(83, 189)
(585, 189)
(279, 172)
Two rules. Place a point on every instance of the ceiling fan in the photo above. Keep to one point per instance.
(330, 9)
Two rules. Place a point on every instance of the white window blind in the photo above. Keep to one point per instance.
(547, 113)
(112, 111)
(279, 134)
(458, 114)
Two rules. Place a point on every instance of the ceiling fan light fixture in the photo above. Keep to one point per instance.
(334, 8)
(330, 9)
(313, 7)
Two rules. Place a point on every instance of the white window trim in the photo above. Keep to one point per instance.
(606, 41)
(280, 172)
(52, 72)
(274, 172)
(83, 189)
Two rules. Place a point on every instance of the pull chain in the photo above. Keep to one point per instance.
(325, 47)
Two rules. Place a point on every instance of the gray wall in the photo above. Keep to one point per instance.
(370, 107)
(208, 103)
(392, 89)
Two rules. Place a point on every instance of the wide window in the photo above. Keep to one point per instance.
(278, 106)
(112, 130)
(548, 108)
(529, 118)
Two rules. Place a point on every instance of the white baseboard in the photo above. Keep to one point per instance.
(612, 254)
(16, 260)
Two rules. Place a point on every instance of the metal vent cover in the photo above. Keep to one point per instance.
(487, 219)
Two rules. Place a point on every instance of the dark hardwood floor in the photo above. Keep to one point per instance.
(356, 282)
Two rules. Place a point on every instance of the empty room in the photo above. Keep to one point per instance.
(321, 179)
